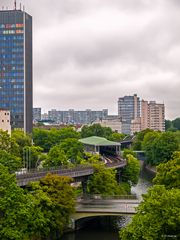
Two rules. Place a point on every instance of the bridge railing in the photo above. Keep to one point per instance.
(109, 197)
(58, 170)
(65, 169)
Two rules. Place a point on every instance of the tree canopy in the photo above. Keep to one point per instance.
(46, 139)
(157, 216)
(104, 182)
(40, 211)
(173, 125)
(159, 147)
(130, 173)
(168, 174)
(21, 139)
(61, 195)
(14, 208)
(8, 144)
(139, 137)
(56, 157)
(96, 130)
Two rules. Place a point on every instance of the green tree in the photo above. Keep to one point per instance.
(157, 216)
(177, 136)
(159, 147)
(139, 137)
(49, 138)
(73, 149)
(61, 194)
(103, 182)
(8, 144)
(22, 139)
(14, 208)
(13, 163)
(56, 157)
(127, 152)
(31, 156)
(96, 130)
(176, 123)
(166, 145)
(168, 124)
(131, 172)
(168, 174)
(43, 139)
(149, 146)
(91, 158)
(40, 218)
(117, 137)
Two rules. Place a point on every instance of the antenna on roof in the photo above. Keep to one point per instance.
(20, 6)
(14, 4)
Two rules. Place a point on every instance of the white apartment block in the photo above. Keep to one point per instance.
(152, 116)
(114, 122)
(5, 121)
(135, 125)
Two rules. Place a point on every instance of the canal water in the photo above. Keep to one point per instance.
(96, 233)
(92, 234)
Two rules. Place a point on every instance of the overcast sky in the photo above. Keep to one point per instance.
(87, 53)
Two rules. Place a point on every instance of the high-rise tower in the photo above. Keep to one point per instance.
(16, 67)
(152, 116)
(128, 110)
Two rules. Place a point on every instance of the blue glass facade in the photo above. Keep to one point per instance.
(16, 67)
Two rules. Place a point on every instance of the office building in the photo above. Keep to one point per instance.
(5, 121)
(76, 117)
(128, 110)
(36, 114)
(152, 116)
(16, 67)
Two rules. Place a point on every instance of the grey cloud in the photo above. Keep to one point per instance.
(89, 53)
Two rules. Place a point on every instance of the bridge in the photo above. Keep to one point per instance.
(107, 206)
(78, 173)
(97, 206)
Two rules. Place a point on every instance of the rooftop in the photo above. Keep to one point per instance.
(98, 141)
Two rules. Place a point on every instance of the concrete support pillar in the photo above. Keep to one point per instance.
(84, 186)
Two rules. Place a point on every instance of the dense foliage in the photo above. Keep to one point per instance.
(8, 144)
(130, 173)
(42, 210)
(157, 216)
(159, 147)
(127, 152)
(22, 139)
(96, 130)
(168, 174)
(139, 137)
(55, 198)
(104, 182)
(49, 138)
(173, 125)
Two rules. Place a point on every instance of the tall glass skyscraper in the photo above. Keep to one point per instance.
(16, 67)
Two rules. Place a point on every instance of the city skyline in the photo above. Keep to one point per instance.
(88, 53)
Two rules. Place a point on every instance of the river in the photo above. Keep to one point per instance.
(96, 233)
